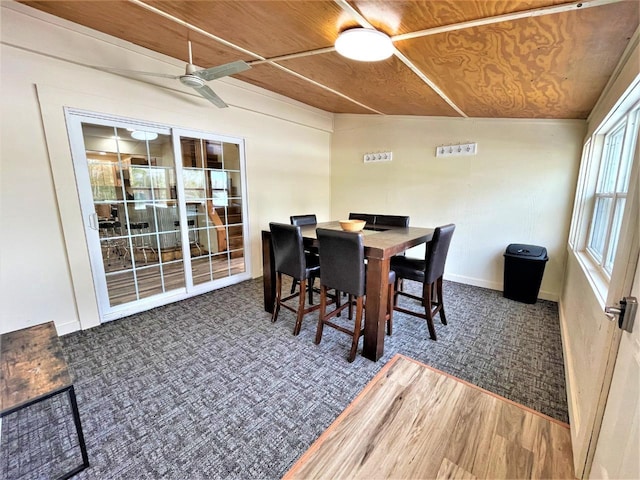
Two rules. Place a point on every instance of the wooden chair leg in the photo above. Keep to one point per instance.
(443, 318)
(390, 301)
(276, 306)
(294, 284)
(323, 312)
(429, 310)
(357, 330)
(302, 296)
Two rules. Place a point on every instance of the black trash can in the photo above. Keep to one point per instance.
(523, 270)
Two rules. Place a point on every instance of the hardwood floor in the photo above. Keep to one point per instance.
(412, 421)
(121, 285)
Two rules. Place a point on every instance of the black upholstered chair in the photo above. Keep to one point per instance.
(392, 220)
(428, 272)
(374, 219)
(342, 268)
(291, 259)
(367, 217)
(302, 220)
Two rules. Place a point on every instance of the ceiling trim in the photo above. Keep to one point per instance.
(428, 81)
(421, 75)
(296, 74)
(351, 9)
(534, 12)
(291, 56)
(189, 26)
(260, 58)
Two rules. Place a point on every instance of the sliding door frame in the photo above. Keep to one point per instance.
(74, 120)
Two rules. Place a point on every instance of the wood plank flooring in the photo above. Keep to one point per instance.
(121, 285)
(412, 421)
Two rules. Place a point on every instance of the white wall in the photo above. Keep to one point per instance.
(44, 265)
(519, 188)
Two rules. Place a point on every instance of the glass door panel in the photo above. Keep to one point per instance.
(212, 177)
(133, 183)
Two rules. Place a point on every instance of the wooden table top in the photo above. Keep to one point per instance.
(412, 421)
(380, 243)
(32, 366)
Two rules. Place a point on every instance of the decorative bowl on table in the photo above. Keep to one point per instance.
(352, 225)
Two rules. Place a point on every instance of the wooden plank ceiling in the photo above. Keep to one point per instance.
(535, 66)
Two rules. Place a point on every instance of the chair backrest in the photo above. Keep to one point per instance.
(367, 217)
(374, 219)
(300, 220)
(392, 220)
(288, 250)
(342, 260)
(436, 252)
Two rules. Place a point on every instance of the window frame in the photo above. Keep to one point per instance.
(627, 113)
(627, 128)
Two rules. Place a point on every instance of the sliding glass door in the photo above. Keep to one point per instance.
(213, 193)
(163, 211)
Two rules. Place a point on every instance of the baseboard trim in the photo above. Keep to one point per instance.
(479, 282)
(67, 328)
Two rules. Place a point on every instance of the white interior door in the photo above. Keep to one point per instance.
(617, 452)
(591, 341)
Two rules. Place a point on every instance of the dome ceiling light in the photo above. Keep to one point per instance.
(140, 135)
(364, 45)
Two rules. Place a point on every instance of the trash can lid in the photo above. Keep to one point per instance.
(531, 252)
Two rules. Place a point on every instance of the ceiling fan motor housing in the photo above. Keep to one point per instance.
(192, 80)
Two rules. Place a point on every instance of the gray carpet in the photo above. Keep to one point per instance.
(210, 388)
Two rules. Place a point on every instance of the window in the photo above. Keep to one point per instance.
(611, 191)
(605, 175)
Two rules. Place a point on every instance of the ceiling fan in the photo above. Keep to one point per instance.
(197, 79)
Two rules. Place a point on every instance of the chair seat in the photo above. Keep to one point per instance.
(313, 271)
(312, 259)
(409, 268)
(313, 265)
(429, 272)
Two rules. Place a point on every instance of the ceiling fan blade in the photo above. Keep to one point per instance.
(210, 95)
(223, 70)
(136, 72)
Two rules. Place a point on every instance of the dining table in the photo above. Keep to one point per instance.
(380, 244)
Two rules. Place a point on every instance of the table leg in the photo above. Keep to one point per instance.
(375, 311)
(78, 424)
(268, 272)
